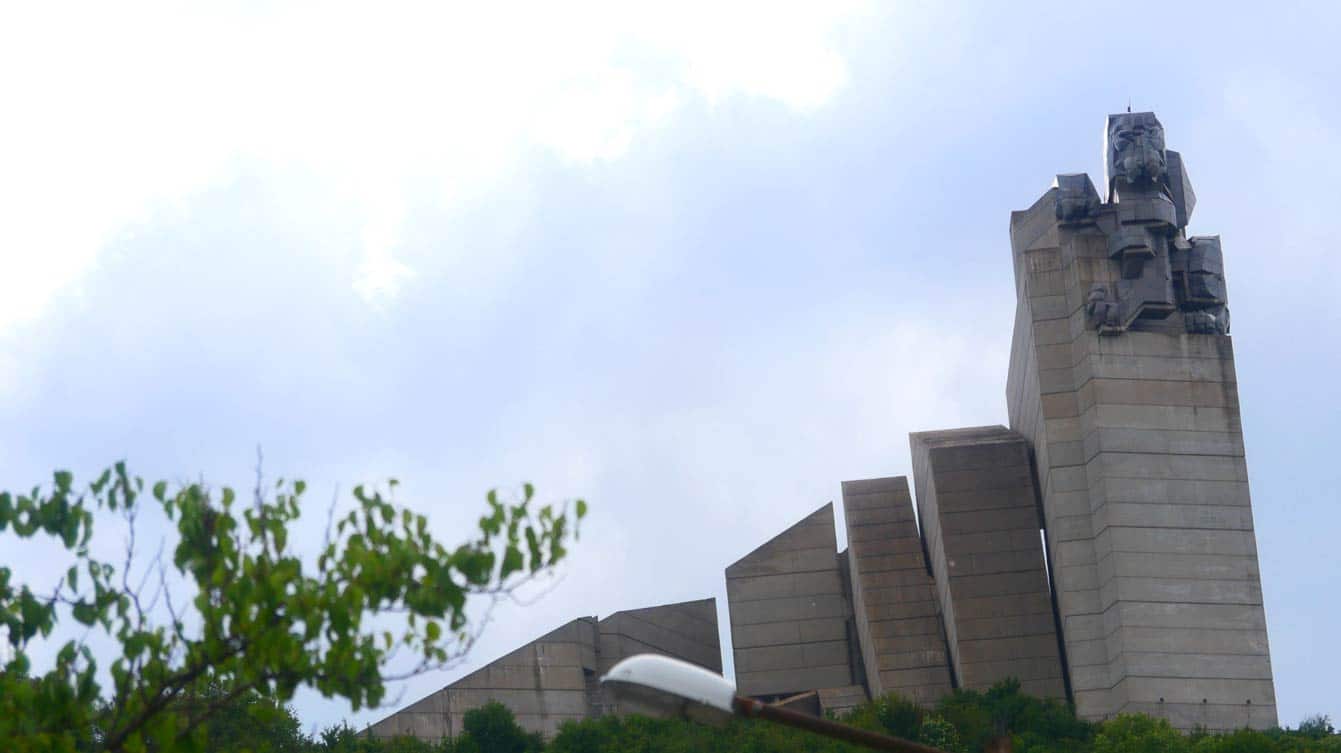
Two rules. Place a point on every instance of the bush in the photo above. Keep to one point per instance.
(1034, 724)
(492, 728)
(1137, 733)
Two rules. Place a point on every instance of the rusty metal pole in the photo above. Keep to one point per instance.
(750, 708)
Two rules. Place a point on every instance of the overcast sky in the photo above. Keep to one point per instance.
(697, 265)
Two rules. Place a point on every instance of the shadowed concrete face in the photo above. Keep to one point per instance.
(555, 678)
(975, 497)
(789, 613)
(1129, 398)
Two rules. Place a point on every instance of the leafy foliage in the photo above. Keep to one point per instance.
(891, 715)
(1033, 723)
(253, 723)
(1136, 733)
(963, 721)
(938, 733)
(492, 729)
(260, 622)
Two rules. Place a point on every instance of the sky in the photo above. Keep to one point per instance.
(696, 263)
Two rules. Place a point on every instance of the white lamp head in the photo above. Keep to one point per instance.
(673, 685)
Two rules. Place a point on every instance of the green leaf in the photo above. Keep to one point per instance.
(512, 562)
(581, 509)
(72, 577)
(85, 613)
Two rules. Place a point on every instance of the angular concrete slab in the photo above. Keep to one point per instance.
(790, 614)
(897, 619)
(980, 520)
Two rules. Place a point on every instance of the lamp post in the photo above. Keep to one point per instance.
(695, 693)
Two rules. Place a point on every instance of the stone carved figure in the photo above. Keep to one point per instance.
(1206, 323)
(1204, 281)
(1077, 200)
(1146, 219)
(1150, 199)
(1103, 312)
(1136, 155)
(1201, 285)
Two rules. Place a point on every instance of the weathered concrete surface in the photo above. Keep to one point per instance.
(687, 631)
(898, 624)
(555, 678)
(789, 613)
(1139, 450)
(841, 700)
(980, 520)
(544, 683)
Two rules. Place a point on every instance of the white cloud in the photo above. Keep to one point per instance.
(117, 111)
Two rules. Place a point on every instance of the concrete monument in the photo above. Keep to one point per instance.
(1099, 550)
(1122, 380)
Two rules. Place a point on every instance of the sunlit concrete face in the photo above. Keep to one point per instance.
(897, 614)
(790, 616)
(980, 522)
(1122, 379)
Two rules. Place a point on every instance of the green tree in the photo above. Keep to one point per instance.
(491, 728)
(1317, 727)
(1137, 733)
(1241, 741)
(343, 739)
(251, 723)
(259, 620)
(939, 733)
(891, 715)
(1034, 724)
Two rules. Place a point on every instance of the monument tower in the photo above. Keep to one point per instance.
(1122, 379)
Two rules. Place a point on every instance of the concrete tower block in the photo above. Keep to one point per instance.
(898, 624)
(1122, 378)
(789, 614)
(980, 520)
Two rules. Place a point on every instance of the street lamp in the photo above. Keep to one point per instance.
(693, 692)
